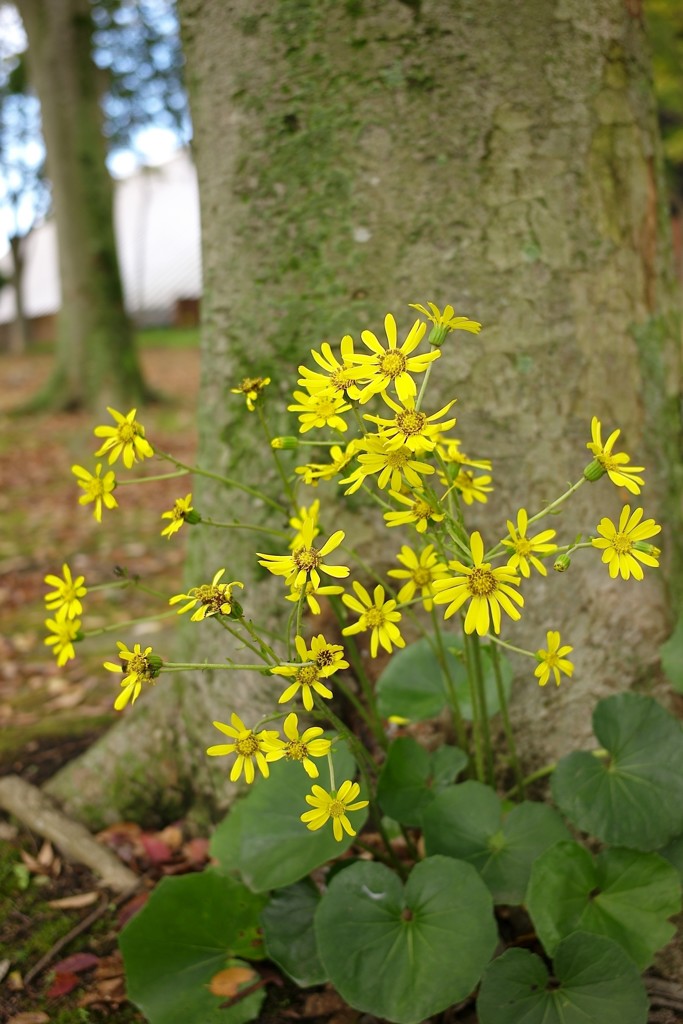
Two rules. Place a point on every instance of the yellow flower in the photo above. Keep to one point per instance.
(394, 364)
(333, 806)
(523, 547)
(140, 667)
(312, 593)
(621, 474)
(553, 660)
(449, 450)
(341, 377)
(488, 590)
(328, 658)
(213, 598)
(322, 409)
(178, 514)
(411, 426)
(251, 388)
(126, 439)
(307, 677)
(473, 488)
(421, 512)
(376, 614)
(419, 574)
(624, 545)
(97, 488)
(64, 633)
(297, 523)
(315, 471)
(306, 562)
(447, 319)
(299, 748)
(67, 593)
(392, 464)
(249, 746)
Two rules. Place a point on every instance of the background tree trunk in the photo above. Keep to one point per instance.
(353, 158)
(95, 357)
(19, 337)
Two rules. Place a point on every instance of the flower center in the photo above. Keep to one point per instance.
(247, 745)
(399, 458)
(336, 809)
(481, 582)
(344, 377)
(551, 660)
(325, 408)
(95, 487)
(325, 658)
(410, 422)
(251, 384)
(523, 547)
(422, 577)
(307, 675)
(296, 751)
(214, 597)
(306, 559)
(128, 432)
(392, 364)
(422, 509)
(374, 617)
(139, 666)
(622, 544)
(68, 592)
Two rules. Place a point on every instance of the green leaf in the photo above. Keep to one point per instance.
(671, 654)
(623, 894)
(412, 684)
(411, 777)
(289, 935)
(406, 953)
(634, 797)
(188, 932)
(673, 852)
(598, 984)
(263, 837)
(467, 822)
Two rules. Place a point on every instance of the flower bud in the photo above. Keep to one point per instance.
(155, 663)
(288, 443)
(647, 549)
(562, 563)
(594, 470)
(192, 517)
(437, 335)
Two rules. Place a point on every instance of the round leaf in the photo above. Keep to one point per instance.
(406, 953)
(466, 822)
(411, 776)
(598, 984)
(289, 935)
(626, 895)
(635, 796)
(182, 938)
(263, 836)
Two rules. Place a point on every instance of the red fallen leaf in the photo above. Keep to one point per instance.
(76, 962)
(62, 984)
(156, 849)
(196, 851)
(131, 907)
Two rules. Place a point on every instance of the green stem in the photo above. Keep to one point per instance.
(442, 657)
(540, 773)
(228, 481)
(509, 647)
(245, 526)
(127, 622)
(171, 666)
(486, 731)
(423, 386)
(507, 725)
(149, 479)
(476, 710)
(283, 476)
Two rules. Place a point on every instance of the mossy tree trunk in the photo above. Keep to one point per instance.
(95, 356)
(356, 157)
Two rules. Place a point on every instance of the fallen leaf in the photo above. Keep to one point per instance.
(62, 984)
(15, 982)
(172, 835)
(29, 1017)
(81, 899)
(46, 855)
(158, 852)
(131, 907)
(196, 851)
(76, 963)
(31, 863)
(228, 982)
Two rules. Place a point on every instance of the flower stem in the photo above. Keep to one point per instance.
(150, 479)
(171, 666)
(283, 476)
(456, 713)
(228, 481)
(245, 526)
(507, 725)
(479, 682)
(476, 710)
(127, 622)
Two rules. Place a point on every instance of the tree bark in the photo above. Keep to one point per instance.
(356, 157)
(96, 359)
(19, 337)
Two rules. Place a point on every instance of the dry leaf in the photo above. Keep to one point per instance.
(76, 963)
(46, 855)
(29, 1017)
(15, 982)
(172, 836)
(31, 863)
(62, 985)
(227, 982)
(81, 899)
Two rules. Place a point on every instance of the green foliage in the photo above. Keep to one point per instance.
(467, 822)
(623, 894)
(412, 776)
(633, 797)
(288, 932)
(671, 653)
(406, 953)
(192, 928)
(594, 982)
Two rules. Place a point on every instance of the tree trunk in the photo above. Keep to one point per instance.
(354, 158)
(95, 358)
(19, 336)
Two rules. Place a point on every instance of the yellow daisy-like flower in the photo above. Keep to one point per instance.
(126, 439)
(553, 660)
(472, 488)
(448, 449)
(391, 463)
(488, 590)
(178, 515)
(249, 746)
(313, 472)
(394, 364)
(341, 377)
(66, 594)
(299, 747)
(312, 593)
(410, 426)
(624, 546)
(377, 615)
(214, 598)
(333, 806)
(524, 549)
(328, 658)
(307, 676)
(251, 388)
(616, 466)
(420, 512)
(97, 488)
(306, 562)
(64, 632)
(447, 318)
(420, 573)
(323, 409)
(297, 523)
(139, 667)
